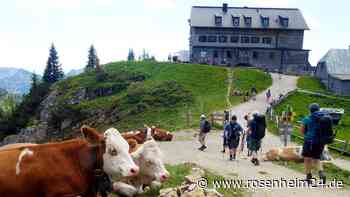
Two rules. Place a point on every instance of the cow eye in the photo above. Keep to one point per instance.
(113, 152)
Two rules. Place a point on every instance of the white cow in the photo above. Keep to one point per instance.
(152, 170)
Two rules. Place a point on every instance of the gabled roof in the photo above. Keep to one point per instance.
(337, 62)
(204, 17)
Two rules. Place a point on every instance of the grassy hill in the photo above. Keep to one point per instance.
(311, 84)
(132, 94)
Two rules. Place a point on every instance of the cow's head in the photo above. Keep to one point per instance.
(148, 157)
(117, 161)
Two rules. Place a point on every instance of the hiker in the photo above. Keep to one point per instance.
(246, 135)
(234, 131)
(253, 92)
(317, 130)
(224, 135)
(268, 96)
(257, 130)
(246, 97)
(204, 129)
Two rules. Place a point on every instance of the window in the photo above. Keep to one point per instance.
(272, 55)
(216, 54)
(202, 38)
(244, 39)
(235, 21)
(222, 39)
(255, 39)
(248, 21)
(212, 38)
(255, 55)
(229, 54)
(218, 20)
(267, 40)
(234, 39)
(284, 21)
(265, 21)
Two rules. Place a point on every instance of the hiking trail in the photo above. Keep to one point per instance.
(185, 150)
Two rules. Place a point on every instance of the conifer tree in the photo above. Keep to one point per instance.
(131, 55)
(92, 59)
(53, 71)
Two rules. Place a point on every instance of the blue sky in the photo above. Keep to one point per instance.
(27, 28)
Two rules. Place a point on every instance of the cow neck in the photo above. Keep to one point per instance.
(97, 151)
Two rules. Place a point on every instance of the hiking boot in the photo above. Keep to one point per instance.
(309, 178)
(201, 148)
(322, 177)
(255, 161)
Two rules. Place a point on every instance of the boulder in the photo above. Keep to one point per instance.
(168, 192)
(194, 193)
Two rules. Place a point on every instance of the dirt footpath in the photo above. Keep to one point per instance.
(185, 150)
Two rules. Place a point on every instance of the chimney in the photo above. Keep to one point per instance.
(224, 7)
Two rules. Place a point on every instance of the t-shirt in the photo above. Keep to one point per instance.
(236, 127)
(310, 130)
(252, 125)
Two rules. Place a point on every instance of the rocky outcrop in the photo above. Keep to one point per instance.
(189, 187)
(36, 134)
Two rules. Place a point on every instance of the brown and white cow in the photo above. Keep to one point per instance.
(152, 170)
(291, 153)
(141, 135)
(161, 135)
(64, 169)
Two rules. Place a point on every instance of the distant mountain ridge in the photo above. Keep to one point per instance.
(15, 80)
(74, 72)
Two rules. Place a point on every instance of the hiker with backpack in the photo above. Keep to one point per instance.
(268, 96)
(204, 129)
(257, 130)
(253, 92)
(233, 131)
(318, 131)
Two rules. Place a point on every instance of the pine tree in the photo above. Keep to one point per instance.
(92, 59)
(131, 55)
(35, 82)
(53, 71)
(169, 57)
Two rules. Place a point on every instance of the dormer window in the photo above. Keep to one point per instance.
(218, 20)
(248, 21)
(235, 21)
(284, 21)
(265, 21)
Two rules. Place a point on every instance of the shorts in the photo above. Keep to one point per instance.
(312, 150)
(233, 143)
(254, 144)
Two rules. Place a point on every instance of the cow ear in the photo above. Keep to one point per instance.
(90, 134)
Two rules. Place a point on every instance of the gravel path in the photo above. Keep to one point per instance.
(185, 150)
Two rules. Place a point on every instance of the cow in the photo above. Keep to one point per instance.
(291, 153)
(152, 171)
(64, 169)
(161, 135)
(141, 134)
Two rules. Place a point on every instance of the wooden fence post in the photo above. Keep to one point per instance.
(212, 119)
(345, 148)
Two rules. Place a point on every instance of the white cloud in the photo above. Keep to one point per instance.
(160, 3)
